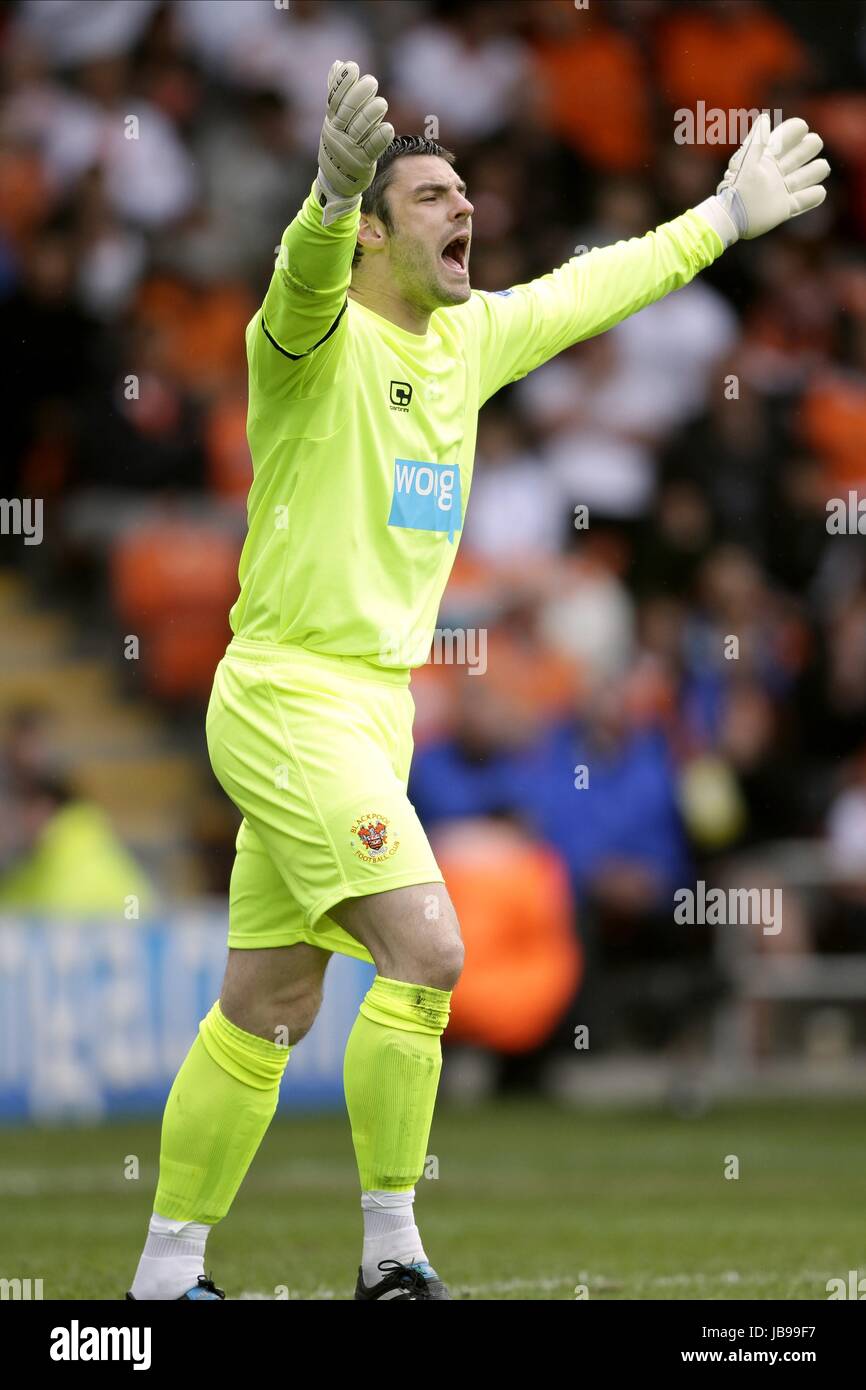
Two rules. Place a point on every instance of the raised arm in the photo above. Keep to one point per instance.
(307, 294)
(774, 175)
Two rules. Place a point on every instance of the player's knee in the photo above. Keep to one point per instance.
(453, 956)
(282, 1016)
(443, 951)
(441, 963)
(295, 1013)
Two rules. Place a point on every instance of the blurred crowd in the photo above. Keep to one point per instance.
(637, 503)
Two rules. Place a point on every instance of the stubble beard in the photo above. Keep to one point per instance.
(424, 286)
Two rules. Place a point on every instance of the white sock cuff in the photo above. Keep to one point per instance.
(387, 1201)
(185, 1230)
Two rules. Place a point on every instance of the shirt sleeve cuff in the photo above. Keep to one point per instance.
(712, 211)
(331, 204)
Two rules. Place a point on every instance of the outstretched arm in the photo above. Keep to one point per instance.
(307, 293)
(775, 175)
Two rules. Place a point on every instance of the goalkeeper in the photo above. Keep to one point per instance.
(368, 363)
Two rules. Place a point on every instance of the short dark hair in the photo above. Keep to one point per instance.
(373, 199)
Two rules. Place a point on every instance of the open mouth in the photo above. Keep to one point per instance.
(456, 253)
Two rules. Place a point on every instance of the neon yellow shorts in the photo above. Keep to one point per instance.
(314, 751)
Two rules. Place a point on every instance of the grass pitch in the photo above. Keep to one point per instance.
(530, 1201)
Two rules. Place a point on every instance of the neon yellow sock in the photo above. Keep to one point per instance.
(216, 1115)
(391, 1075)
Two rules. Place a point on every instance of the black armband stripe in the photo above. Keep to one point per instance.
(296, 356)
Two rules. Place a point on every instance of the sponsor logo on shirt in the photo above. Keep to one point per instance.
(426, 496)
(377, 841)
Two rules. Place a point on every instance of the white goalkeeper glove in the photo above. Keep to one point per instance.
(355, 133)
(774, 175)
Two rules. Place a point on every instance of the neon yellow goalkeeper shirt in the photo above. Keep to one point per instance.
(362, 434)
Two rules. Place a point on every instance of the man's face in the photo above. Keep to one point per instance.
(428, 247)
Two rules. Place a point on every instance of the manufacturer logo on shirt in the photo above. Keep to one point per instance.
(401, 395)
(426, 496)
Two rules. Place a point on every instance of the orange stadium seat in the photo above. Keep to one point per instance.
(728, 61)
(202, 332)
(211, 342)
(184, 654)
(229, 466)
(25, 199)
(834, 423)
(524, 960)
(173, 583)
(595, 95)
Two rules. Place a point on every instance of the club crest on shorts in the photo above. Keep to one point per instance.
(377, 840)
